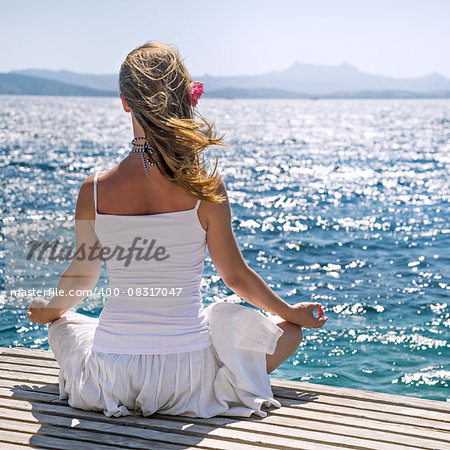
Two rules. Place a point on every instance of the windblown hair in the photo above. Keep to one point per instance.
(157, 88)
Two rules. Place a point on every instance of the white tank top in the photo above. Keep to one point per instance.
(155, 305)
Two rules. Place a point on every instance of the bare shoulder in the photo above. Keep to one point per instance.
(221, 190)
(85, 209)
(216, 213)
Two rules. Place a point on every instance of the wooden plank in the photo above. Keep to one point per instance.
(298, 406)
(307, 424)
(297, 430)
(13, 439)
(363, 404)
(9, 446)
(113, 425)
(308, 410)
(363, 414)
(23, 368)
(36, 387)
(291, 394)
(322, 420)
(285, 384)
(188, 433)
(367, 429)
(28, 377)
(341, 392)
(73, 429)
(351, 418)
(29, 361)
(27, 352)
(318, 398)
(30, 396)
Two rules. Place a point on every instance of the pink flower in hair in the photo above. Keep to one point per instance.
(196, 92)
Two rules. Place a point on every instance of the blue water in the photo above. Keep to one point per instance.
(345, 202)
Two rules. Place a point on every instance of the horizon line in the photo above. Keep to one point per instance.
(345, 63)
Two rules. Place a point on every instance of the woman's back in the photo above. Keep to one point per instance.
(154, 262)
(126, 190)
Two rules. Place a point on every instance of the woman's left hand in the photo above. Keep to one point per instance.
(38, 312)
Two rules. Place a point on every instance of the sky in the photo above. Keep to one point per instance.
(400, 38)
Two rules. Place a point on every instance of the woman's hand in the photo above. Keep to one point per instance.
(303, 314)
(39, 313)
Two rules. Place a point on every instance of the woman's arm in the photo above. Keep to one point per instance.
(84, 270)
(243, 280)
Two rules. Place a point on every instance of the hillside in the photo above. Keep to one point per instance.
(15, 84)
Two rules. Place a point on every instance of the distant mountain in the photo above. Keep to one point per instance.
(93, 81)
(15, 84)
(298, 81)
(316, 79)
(231, 93)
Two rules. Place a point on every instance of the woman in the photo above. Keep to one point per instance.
(154, 347)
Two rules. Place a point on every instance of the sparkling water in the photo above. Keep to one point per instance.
(342, 202)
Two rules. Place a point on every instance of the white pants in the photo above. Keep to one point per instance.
(227, 378)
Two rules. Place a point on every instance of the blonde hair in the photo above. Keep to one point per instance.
(157, 88)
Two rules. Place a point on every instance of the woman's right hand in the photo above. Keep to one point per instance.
(303, 314)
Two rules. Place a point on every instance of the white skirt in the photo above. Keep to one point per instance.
(227, 378)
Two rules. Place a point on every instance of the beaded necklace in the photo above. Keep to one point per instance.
(145, 150)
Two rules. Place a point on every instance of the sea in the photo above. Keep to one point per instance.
(342, 202)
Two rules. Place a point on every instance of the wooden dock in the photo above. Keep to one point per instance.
(313, 416)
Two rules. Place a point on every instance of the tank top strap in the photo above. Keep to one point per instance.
(95, 192)
(197, 205)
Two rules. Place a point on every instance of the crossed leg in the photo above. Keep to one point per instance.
(287, 345)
